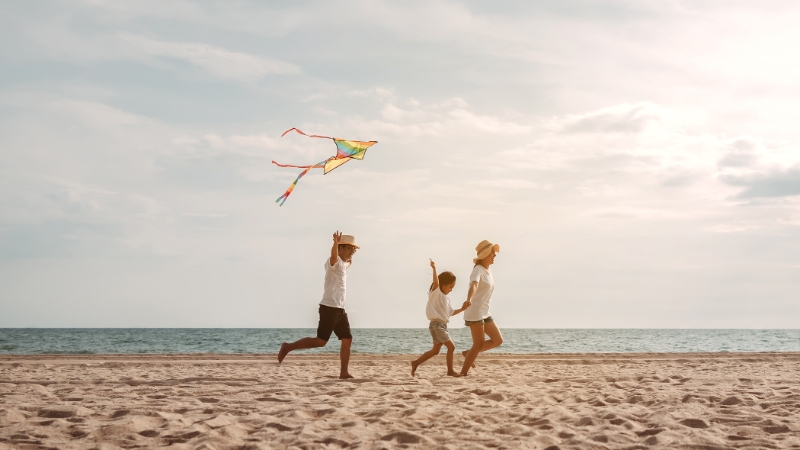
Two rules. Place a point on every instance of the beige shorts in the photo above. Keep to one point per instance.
(439, 332)
(482, 321)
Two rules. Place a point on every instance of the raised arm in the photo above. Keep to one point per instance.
(337, 237)
(435, 284)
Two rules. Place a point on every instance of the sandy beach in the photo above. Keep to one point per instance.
(592, 401)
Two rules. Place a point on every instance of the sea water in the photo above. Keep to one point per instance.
(388, 340)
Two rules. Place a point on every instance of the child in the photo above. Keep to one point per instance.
(439, 312)
(332, 317)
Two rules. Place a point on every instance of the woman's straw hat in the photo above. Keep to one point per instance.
(348, 240)
(484, 249)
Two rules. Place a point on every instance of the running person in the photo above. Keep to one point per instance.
(477, 316)
(332, 316)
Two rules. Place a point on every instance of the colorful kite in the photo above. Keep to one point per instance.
(345, 151)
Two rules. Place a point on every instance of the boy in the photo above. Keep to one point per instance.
(332, 317)
(439, 312)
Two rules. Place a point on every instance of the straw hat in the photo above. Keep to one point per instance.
(484, 249)
(348, 240)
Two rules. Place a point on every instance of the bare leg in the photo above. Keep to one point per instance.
(425, 356)
(495, 337)
(477, 343)
(451, 348)
(307, 342)
(344, 357)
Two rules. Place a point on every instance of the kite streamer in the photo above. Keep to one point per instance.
(345, 151)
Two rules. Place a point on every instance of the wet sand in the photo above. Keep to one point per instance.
(592, 401)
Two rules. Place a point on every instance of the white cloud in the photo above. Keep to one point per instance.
(623, 118)
(217, 61)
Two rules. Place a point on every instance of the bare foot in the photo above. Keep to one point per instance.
(462, 374)
(453, 373)
(283, 352)
(345, 376)
(414, 366)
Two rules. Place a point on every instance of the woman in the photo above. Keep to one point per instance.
(479, 296)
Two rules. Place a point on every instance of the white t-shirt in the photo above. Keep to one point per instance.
(335, 281)
(479, 309)
(439, 308)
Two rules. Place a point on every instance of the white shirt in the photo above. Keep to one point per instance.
(479, 309)
(439, 308)
(335, 281)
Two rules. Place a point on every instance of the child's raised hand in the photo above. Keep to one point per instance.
(337, 237)
(433, 265)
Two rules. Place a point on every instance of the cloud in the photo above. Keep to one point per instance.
(217, 61)
(624, 118)
(775, 184)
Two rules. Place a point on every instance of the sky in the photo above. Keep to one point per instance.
(638, 162)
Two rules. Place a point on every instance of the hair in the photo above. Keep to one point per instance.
(445, 278)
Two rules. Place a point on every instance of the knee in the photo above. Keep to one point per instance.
(321, 342)
(499, 341)
(437, 348)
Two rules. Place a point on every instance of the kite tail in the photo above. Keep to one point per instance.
(282, 199)
(309, 135)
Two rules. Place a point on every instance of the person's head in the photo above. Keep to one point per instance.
(347, 247)
(486, 253)
(447, 281)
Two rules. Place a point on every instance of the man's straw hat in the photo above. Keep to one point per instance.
(484, 249)
(348, 240)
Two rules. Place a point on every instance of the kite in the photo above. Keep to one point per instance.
(345, 151)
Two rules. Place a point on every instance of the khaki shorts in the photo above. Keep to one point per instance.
(439, 332)
(482, 321)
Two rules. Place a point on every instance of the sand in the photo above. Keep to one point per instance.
(691, 401)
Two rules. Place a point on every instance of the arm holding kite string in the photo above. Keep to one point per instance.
(337, 238)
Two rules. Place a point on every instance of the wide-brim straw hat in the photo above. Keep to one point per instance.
(348, 240)
(484, 249)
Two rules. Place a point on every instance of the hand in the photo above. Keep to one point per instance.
(466, 304)
(337, 237)
(433, 265)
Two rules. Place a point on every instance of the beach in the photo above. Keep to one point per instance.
(592, 401)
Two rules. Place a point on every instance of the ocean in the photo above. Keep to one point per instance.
(388, 340)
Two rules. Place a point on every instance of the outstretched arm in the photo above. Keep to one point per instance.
(435, 284)
(337, 237)
(473, 287)
(462, 309)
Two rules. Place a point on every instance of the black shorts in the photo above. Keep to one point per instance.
(333, 320)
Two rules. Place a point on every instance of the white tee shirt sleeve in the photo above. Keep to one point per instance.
(335, 283)
(482, 298)
(439, 307)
